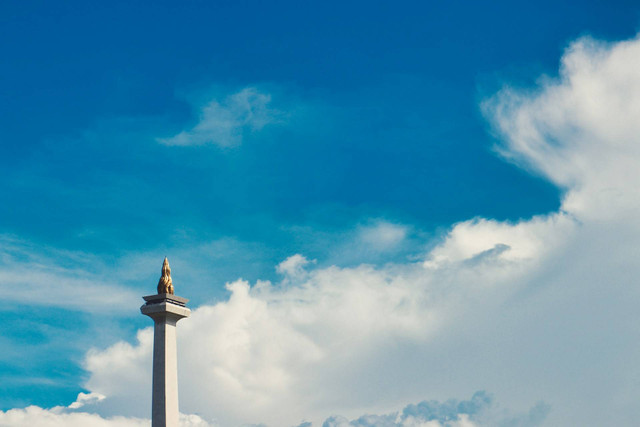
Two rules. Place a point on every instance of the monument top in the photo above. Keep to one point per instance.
(164, 285)
(165, 300)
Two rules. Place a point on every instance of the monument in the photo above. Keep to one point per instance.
(165, 309)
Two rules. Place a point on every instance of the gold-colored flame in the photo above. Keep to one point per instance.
(164, 285)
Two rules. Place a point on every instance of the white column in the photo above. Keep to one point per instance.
(165, 310)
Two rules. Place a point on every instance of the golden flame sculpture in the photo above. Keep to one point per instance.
(164, 285)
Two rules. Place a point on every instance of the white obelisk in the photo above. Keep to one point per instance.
(165, 309)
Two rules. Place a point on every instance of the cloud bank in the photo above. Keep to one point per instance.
(479, 410)
(62, 417)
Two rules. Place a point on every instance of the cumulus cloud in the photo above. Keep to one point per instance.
(120, 363)
(263, 323)
(225, 123)
(472, 240)
(298, 352)
(293, 267)
(580, 130)
(542, 308)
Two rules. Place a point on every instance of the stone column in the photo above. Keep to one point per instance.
(165, 309)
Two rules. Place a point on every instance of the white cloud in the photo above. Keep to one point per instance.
(293, 267)
(86, 398)
(61, 417)
(225, 123)
(36, 416)
(544, 308)
(581, 129)
(119, 364)
(525, 240)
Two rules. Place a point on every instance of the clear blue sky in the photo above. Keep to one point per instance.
(373, 114)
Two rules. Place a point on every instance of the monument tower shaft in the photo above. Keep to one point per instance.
(165, 309)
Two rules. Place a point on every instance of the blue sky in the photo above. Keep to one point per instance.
(230, 136)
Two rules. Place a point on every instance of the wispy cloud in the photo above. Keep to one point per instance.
(32, 274)
(227, 122)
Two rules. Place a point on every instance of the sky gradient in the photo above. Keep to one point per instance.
(412, 211)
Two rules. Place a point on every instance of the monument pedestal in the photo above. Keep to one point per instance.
(165, 310)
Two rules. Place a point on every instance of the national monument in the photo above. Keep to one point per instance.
(165, 309)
